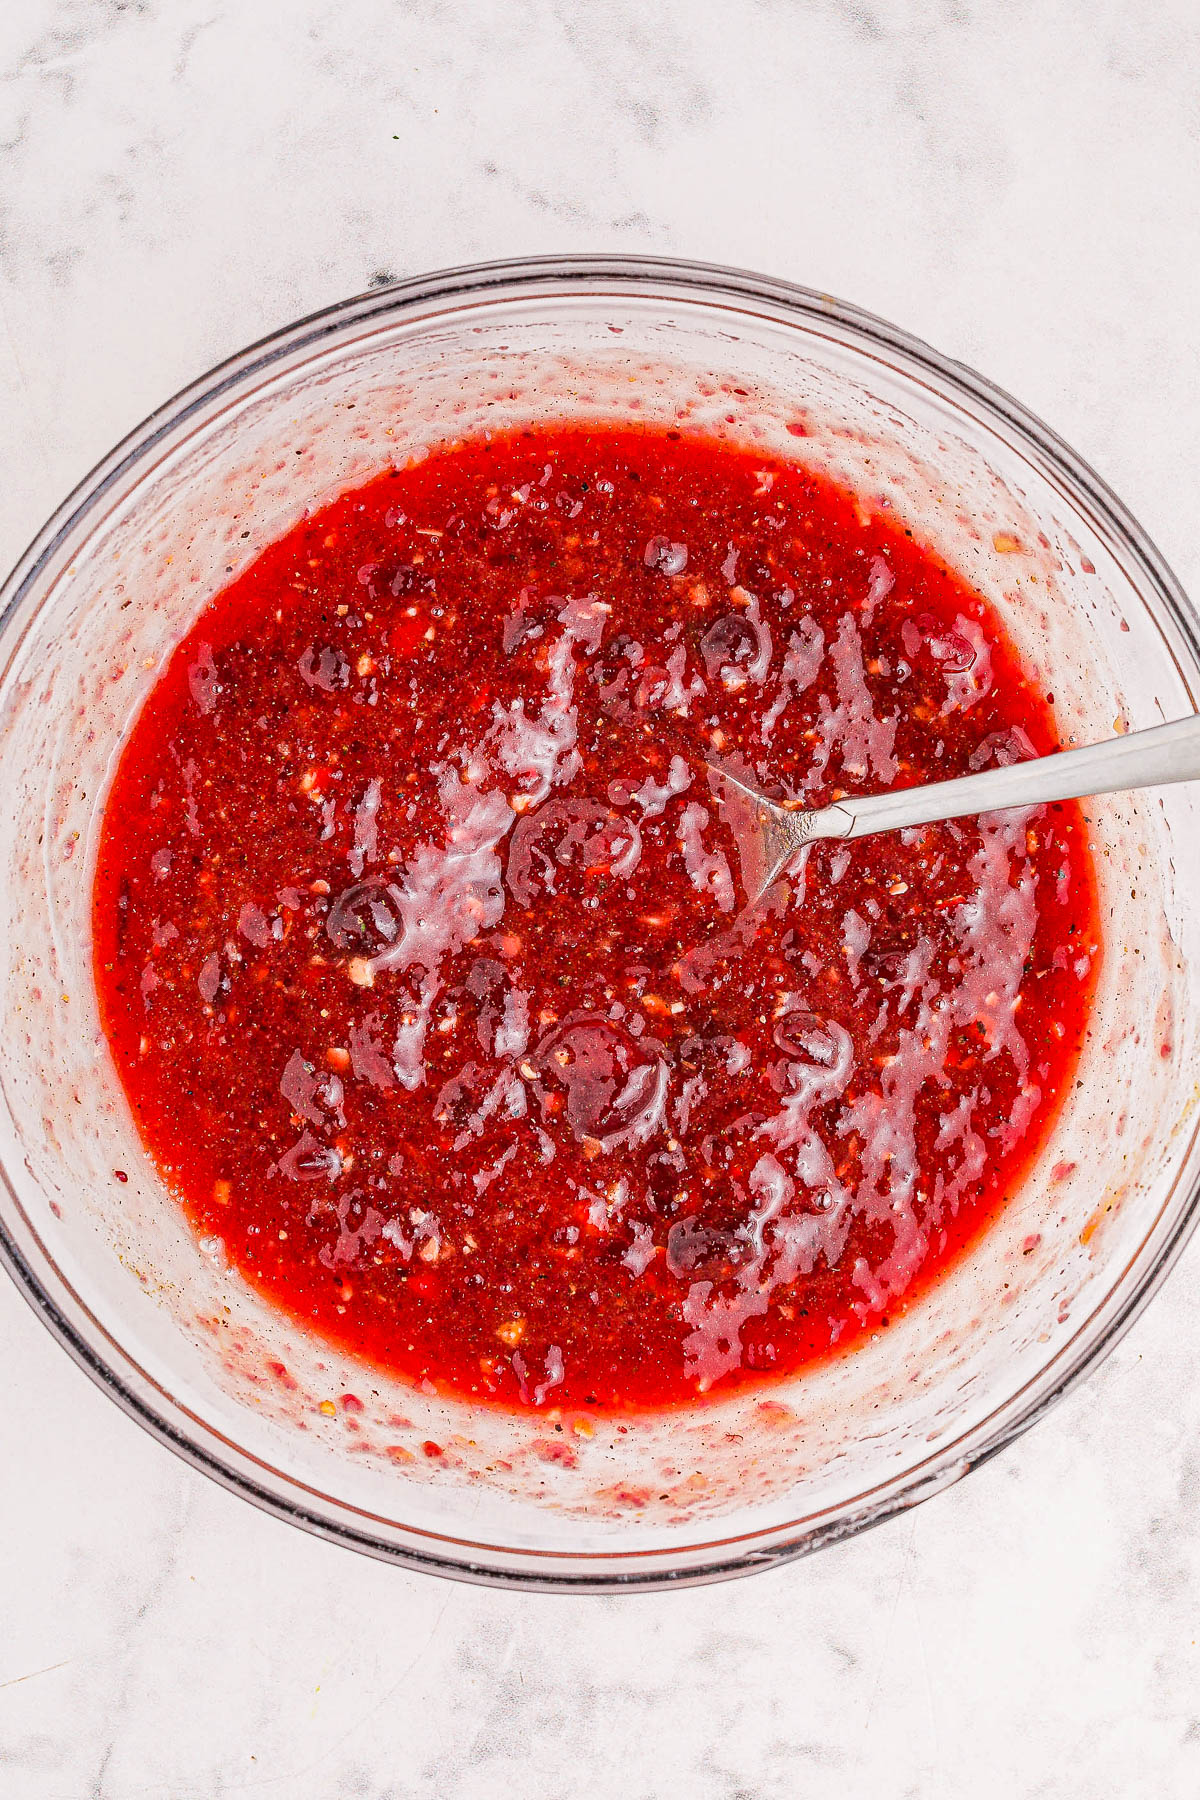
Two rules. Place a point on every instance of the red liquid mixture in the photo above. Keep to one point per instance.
(424, 956)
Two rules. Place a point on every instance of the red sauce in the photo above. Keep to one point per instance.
(424, 958)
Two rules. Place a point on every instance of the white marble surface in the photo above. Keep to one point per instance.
(1017, 181)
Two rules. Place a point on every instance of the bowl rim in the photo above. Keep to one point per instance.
(597, 1571)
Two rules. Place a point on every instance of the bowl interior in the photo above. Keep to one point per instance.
(116, 582)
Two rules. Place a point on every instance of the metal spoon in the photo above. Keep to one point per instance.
(770, 835)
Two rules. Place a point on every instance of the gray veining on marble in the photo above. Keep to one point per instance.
(1016, 180)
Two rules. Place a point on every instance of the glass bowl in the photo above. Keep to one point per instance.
(732, 1484)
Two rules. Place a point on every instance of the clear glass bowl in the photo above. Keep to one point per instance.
(120, 572)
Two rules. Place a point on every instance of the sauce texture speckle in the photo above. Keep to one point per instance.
(424, 955)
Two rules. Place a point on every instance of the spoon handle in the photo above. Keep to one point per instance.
(1164, 753)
